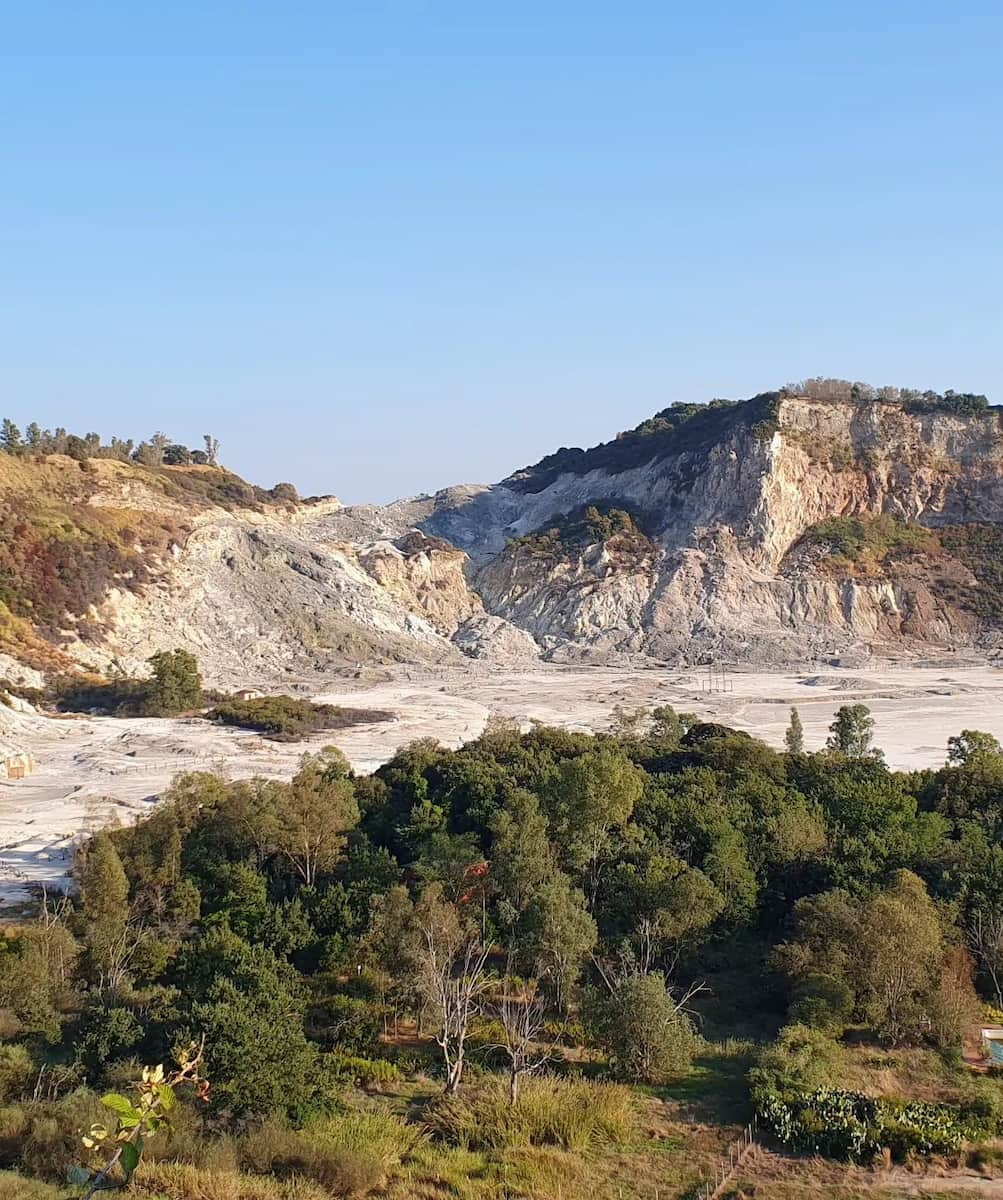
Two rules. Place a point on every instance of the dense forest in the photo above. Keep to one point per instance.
(475, 971)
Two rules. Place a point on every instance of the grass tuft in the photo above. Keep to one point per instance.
(570, 1113)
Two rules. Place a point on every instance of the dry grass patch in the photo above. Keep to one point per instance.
(182, 1181)
(568, 1113)
(15, 1187)
(348, 1155)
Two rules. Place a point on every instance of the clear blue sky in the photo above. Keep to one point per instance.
(380, 248)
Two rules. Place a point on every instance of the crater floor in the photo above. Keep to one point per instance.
(99, 770)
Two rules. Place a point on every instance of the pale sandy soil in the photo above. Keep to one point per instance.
(98, 769)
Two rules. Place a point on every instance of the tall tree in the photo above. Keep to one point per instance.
(558, 935)
(10, 437)
(852, 731)
(794, 737)
(176, 685)
(521, 856)
(104, 905)
(316, 811)
(595, 795)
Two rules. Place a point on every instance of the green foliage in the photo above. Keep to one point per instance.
(853, 1126)
(17, 1072)
(176, 685)
(347, 1155)
(801, 1059)
(349, 1024)
(854, 537)
(249, 1006)
(364, 1072)
(794, 737)
(979, 548)
(852, 731)
(319, 933)
(681, 428)
(619, 529)
(645, 1032)
(287, 719)
(119, 1146)
(887, 950)
(104, 905)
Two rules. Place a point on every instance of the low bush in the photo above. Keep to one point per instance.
(43, 1138)
(17, 1072)
(287, 719)
(350, 1154)
(348, 1024)
(850, 1125)
(364, 1072)
(800, 1060)
(573, 1114)
(182, 1181)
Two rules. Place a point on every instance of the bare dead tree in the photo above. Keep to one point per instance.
(985, 940)
(452, 962)
(120, 952)
(522, 1011)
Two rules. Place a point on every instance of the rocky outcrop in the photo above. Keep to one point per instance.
(266, 597)
(730, 565)
(727, 517)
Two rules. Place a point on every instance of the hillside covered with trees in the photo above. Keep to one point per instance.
(541, 957)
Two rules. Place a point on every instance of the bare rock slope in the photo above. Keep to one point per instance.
(817, 522)
(806, 524)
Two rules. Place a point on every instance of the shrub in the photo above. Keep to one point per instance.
(157, 1180)
(17, 1072)
(849, 1125)
(364, 1072)
(822, 1001)
(571, 1113)
(46, 1135)
(349, 1154)
(286, 719)
(799, 1060)
(855, 537)
(16, 1187)
(349, 1024)
(647, 1038)
(620, 530)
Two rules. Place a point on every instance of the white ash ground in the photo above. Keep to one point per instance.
(98, 770)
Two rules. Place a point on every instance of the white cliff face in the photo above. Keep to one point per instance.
(726, 519)
(286, 592)
(261, 597)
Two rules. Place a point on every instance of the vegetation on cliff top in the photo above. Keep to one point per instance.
(680, 428)
(694, 428)
(79, 517)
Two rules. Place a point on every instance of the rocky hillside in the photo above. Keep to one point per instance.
(816, 522)
(104, 562)
(820, 521)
